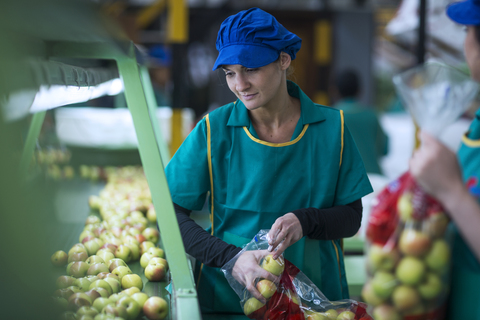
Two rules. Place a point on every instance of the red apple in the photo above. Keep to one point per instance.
(155, 272)
(414, 243)
(155, 308)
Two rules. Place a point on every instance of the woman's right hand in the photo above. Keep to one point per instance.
(247, 269)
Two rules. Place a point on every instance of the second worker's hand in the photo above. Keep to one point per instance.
(284, 232)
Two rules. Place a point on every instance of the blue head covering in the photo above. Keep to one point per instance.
(253, 39)
(465, 12)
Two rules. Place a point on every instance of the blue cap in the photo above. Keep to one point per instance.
(160, 55)
(253, 38)
(465, 12)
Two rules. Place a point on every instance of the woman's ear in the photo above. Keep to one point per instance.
(285, 60)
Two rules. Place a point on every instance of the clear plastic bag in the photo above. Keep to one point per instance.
(293, 297)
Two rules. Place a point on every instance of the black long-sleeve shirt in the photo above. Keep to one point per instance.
(320, 224)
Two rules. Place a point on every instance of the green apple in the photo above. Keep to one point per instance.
(414, 243)
(93, 246)
(135, 249)
(386, 312)
(94, 259)
(405, 297)
(121, 271)
(438, 258)
(383, 284)
(382, 257)
(404, 206)
(436, 224)
(266, 288)
(369, 295)
(97, 268)
(105, 255)
(275, 267)
(102, 284)
(132, 280)
(114, 283)
(151, 234)
(140, 297)
(155, 272)
(68, 315)
(130, 291)
(59, 258)
(145, 259)
(346, 315)
(104, 293)
(132, 307)
(151, 215)
(60, 303)
(410, 270)
(69, 266)
(316, 316)
(77, 256)
(123, 252)
(155, 260)
(116, 262)
(117, 311)
(109, 247)
(79, 247)
(93, 294)
(101, 302)
(87, 311)
(79, 269)
(332, 314)
(79, 299)
(155, 308)
(82, 283)
(431, 287)
(65, 281)
(130, 239)
(114, 297)
(157, 252)
(144, 246)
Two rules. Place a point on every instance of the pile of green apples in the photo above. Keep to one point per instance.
(408, 275)
(98, 283)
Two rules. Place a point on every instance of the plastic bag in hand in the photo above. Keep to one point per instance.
(294, 297)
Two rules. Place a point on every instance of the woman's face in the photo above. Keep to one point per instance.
(472, 53)
(256, 87)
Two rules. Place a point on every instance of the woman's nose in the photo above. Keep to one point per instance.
(241, 83)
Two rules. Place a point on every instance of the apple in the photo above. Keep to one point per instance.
(151, 234)
(92, 246)
(77, 300)
(106, 255)
(140, 238)
(157, 252)
(114, 297)
(129, 239)
(418, 310)
(316, 316)
(104, 275)
(436, 224)
(87, 311)
(404, 206)
(369, 295)
(94, 259)
(79, 247)
(130, 291)
(145, 245)
(101, 302)
(116, 262)
(438, 258)
(132, 280)
(383, 284)
(97, 268)
(93, 294)
(59, 258)
(109, 246)
(266, 288)
(117, 311)
(331, 314)
(431, 287)
(60, 303)
(346, 315)
(132, 307)
(64, 281)
(275, 267)
(92, 219)
(135, 249)
(140, 297)
(77, 256)
(145, 259)
(66, 292)
(123, 252)
(410, 270)
(405, 297)
(82, 283)
(151, 215)
(88, 238)
(159, 260)
(382, 257)
(79, 269)
(414, 243)
(102, 284)
(155, 272)
(121, 271)
(155, 308)
(385, 312)
(68, 315)
(114, 283)
(104, 293)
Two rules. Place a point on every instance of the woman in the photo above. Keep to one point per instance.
(456, 186)
(271, 160)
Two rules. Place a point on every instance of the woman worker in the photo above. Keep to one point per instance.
(270, 160)
(456, 185)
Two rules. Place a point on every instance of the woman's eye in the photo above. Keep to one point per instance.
(252, 70)
(228, 74)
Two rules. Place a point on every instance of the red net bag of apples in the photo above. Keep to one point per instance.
(407, 253)
(293, 297)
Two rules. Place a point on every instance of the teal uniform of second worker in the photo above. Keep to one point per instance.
(255, 182)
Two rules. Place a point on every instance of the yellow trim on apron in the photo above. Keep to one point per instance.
(469, 142)
(342, 132)
(271, 144)
(209, 155)
(339, 265)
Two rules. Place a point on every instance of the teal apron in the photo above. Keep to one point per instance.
(253, 182)
(465, 285)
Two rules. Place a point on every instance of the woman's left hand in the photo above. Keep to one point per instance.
(284, 232)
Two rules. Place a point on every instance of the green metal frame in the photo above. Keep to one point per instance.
(154, 155)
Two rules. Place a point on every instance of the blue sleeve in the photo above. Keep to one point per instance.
(187, 172)
(353, 181)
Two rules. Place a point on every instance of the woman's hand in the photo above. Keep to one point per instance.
(435, 167)
(284, 232)
(247, 269)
